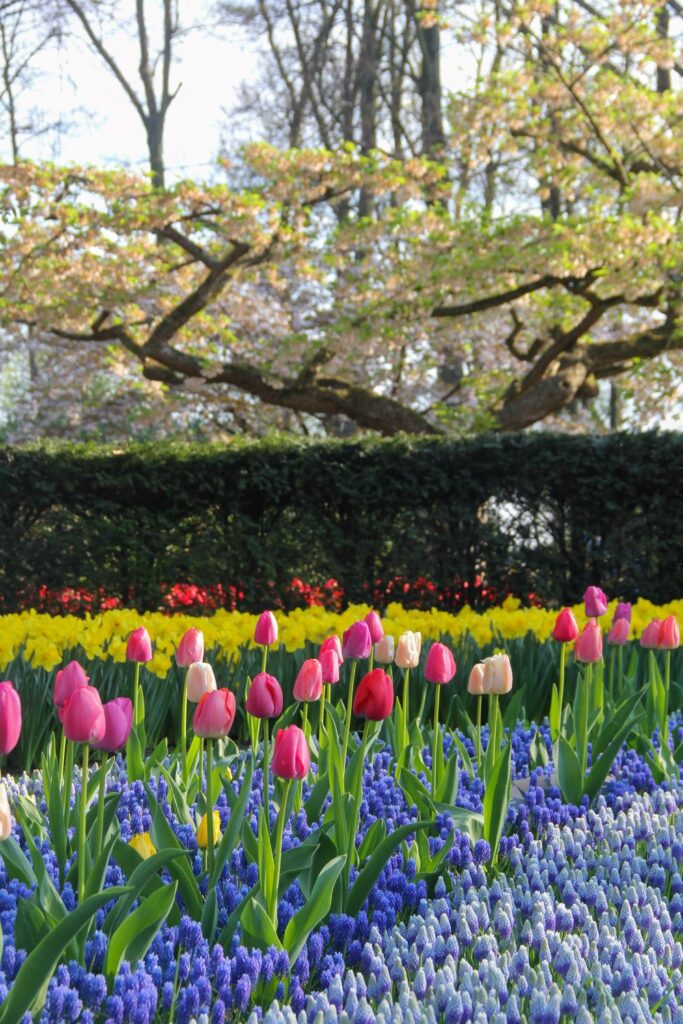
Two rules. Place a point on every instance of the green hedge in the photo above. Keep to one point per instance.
(530, 513)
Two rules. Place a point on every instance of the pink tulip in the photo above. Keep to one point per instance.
(83, 716)
(475, 684)
(118, 717)
(139, 647)
(68, 679)
(618, 634)
(264, 699)
(566, 629)
(595, 601)
(265, 632)
(214, 715)
(440, 664)
(200, 680)
(497, 674)
(10, 717)
(190, 648)
(622, 611)
(650, 635)
(374, 624)
(669, 634)
(374, 698)
(329, 664)
(291, 756)
(309, 681)
(5, 814)
(333, 643)
(357, 642)
(588, 647)
(384, 650)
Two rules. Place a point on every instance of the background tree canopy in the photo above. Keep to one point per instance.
(384, 253)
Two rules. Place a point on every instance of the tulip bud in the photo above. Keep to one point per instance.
(669, 634)
(200, 680)
(374, 624)
(329, 664)
(190, 648)
(118, 718)
(497, 674)
(265, 632)
(10, 717)
(68, 679)
(357, 641)
(203, 831)
(618, 634)
(588, 647)
(139, 646)
(333, 643)
(291, 756)
(566, 629)
(264, 699)
(5, 814)
(408, 650)
(622, 611)
(143, 845)
(385, 650)
(440, 664)
(309, 681)
(214, 715)
(650, 635)
(595, 602)
(475, 683)
(374, 698)
(83, 717)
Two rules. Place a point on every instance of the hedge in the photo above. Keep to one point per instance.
(527, 514)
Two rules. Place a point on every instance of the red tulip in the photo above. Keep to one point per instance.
(356, 642)
(213, 716)
(10, 717)
(650, 635)
(669, 634)
(309, 681)
(440, 664)
(566, 629)
(333, 643)
(118, 717)
(264, 699)
(329, 664)
(374, 624)
(265, 632)
(595, 601)
(139, 647)
(618, 634)
(83, 716)
(190, 648)
(374, 697)
(291, 756)
(68, 679)
(588, 645)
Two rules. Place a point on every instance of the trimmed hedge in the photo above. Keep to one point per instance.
(530, 513)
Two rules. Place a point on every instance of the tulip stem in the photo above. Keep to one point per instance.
(588, 684)
(183, 725)
(264, 657)
(81, 824)
(320, 723)
(68, 779)
(347, 724)
(279, 829)
(356, 797)
(620, 673)
(209, 806)
(664, 739)
(62, 759)
(406, 697)
(435, 739)
(479, 698)
(266, 770)
(563, 655)
(99, 834)
(136, 690)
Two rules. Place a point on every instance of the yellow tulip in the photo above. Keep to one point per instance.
(143, 845)
(203, 831)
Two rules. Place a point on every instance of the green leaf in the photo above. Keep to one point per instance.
(16, 862)
(250, 843)
(373, 837)
(447, 790)
(266, 863)
(497, 800)
(373, 869)
(314, 910)
(569, 774)
(134, 936)
(143, 872)
(210, 915)
(554, 715)
(164, 838)
(603, 764)
(464, 756)
(231, 835)
(416, 793)
(257, 928)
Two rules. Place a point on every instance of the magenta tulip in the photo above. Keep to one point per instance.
(357, 642)
(333, 643)
(669, 634)
(374, 624)
(291, 756)
(10, 717)
(588, 647)
(118, 717)
(139, 647)
(190, 648)
(265, 632)
(83, 716)
(374, 698)
(264, 699)
(309, 681)
(329, 665)
(622, 611)
(595, 602)
(650, 635)
(68, 679)
(565, 630)
(619, 633)
(214, 715)
(440, 664)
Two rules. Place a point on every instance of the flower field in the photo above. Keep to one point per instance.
(422, 817)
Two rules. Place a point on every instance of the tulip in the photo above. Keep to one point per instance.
(374, 624)
(329, 665)
(5, 814)
(139, 646)
(265, 633)
(374, 698)
(565, 630)
(497, 674)
(291, 756)
(214, 715)
(309, 681)
(408, 650)
(669, 634)
(384, 650)
(83, 716)
(333, 643)
(440, 664)
(622, 611)
(118, 718)
(190, 648)
(619, 633)
(10, 717)
(200, 680)
(68, 679)
(357, 641)
(143, 845)
(203, 831)
(475, 685)
(595, 602)
(650, 635)
(264, 699)
(588, 647)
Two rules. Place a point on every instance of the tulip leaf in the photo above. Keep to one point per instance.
(138, 884)
(210, 915)
(257, 928)
(135, 934)
(372, 838)
(554, 714)
(416, 793)
(497, 800)
(164, 838)
(373, 869)
(16, 862)
(464, 756)
(569, 774)
(232, 832)
(314, 910)
(447, 787)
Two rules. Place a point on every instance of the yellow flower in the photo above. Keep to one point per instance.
(227, 774)
(143, 845)
(203, 831)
